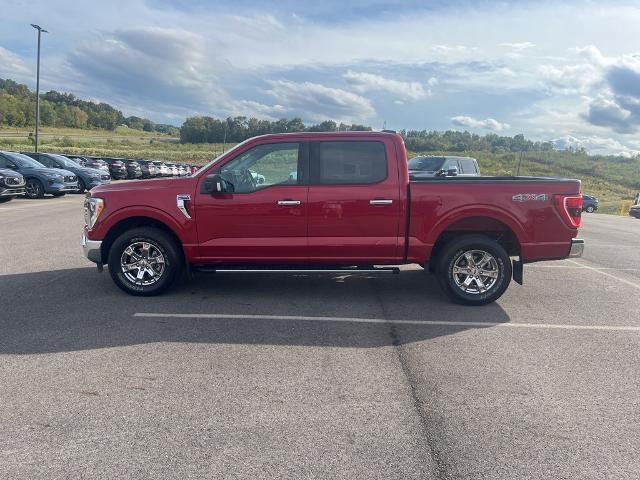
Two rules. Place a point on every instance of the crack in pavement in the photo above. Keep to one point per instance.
(426, 420)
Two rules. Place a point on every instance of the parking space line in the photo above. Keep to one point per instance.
(572, 267)
(631, 284)
(295, 318)
(610, 245)
(12, 208)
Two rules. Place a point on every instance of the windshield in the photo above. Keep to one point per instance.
(65, 161)
(23, 160)
(426, 164)
(219, 157)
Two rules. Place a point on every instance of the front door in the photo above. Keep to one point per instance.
(354, 203)
(264, 218)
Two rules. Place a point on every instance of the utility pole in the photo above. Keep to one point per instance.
(40, 31)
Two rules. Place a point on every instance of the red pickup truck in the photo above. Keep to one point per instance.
(330, 201)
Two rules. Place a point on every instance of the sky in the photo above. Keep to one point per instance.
(552, 70)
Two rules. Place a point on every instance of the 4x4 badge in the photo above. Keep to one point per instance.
(527, 197)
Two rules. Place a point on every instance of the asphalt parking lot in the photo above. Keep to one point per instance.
(314, 376)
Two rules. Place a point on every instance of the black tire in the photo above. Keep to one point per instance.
(34, 188)
(590, 209)
(81, 186)
(161, 242)
(61, 194)
(452, 255)
(6, 199)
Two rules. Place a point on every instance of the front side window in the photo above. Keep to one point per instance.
(351, 163)
(450, 163)
(262, 166)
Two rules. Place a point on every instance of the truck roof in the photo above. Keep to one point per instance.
(279, 136)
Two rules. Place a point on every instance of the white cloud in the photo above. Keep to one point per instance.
(595, 145)
(12, 66)
(368, 82)
(518, 46)
(485, 124)
(317, 102)
(569, 79)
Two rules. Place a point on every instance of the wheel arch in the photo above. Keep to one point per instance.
(132, 222)
(500, 228)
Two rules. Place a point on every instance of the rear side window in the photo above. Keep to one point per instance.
(468, 166)
(350, 163)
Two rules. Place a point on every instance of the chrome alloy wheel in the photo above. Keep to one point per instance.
(142, 263)
(475, 271)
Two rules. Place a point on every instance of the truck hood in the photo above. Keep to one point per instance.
(152, 184)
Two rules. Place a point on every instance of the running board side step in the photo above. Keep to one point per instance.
(393, 270)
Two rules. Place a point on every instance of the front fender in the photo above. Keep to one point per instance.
(179, 227)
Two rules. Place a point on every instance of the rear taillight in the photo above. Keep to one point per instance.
(570, 209)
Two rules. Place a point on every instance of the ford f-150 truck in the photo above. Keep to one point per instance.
(351, 206)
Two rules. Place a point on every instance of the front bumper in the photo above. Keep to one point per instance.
(97, 183)
(577, 248)
(61, 187)
(92, 249)
(11, 191)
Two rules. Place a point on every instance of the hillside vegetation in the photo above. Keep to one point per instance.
(106, 131)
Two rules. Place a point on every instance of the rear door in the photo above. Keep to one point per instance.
(354, 202)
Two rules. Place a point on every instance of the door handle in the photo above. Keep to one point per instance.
(380, 202)
(288, 203)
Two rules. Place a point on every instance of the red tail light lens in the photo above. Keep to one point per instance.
(570, 209)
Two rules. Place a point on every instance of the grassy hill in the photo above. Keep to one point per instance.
(611, 179)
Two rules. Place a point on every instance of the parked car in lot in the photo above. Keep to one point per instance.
(11, 183)
(148, 168)
(117, 168)
(87, 177)
(635, 211)
(352, 206)
(161, 168)
(133, 169)
(39, 179)
(442, 166)
(90, 162)
(589, 203)
(173, 169)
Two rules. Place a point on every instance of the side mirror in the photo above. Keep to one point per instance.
(452, 172)
(214, 183)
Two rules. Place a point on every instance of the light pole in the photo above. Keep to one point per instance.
(40, 31)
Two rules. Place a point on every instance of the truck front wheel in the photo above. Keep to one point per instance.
(144, 261)
(474, 270)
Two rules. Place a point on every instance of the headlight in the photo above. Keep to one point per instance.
(51, 175)
(92, 209)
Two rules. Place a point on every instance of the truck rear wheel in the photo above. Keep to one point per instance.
(144, 261)
(474, 270)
